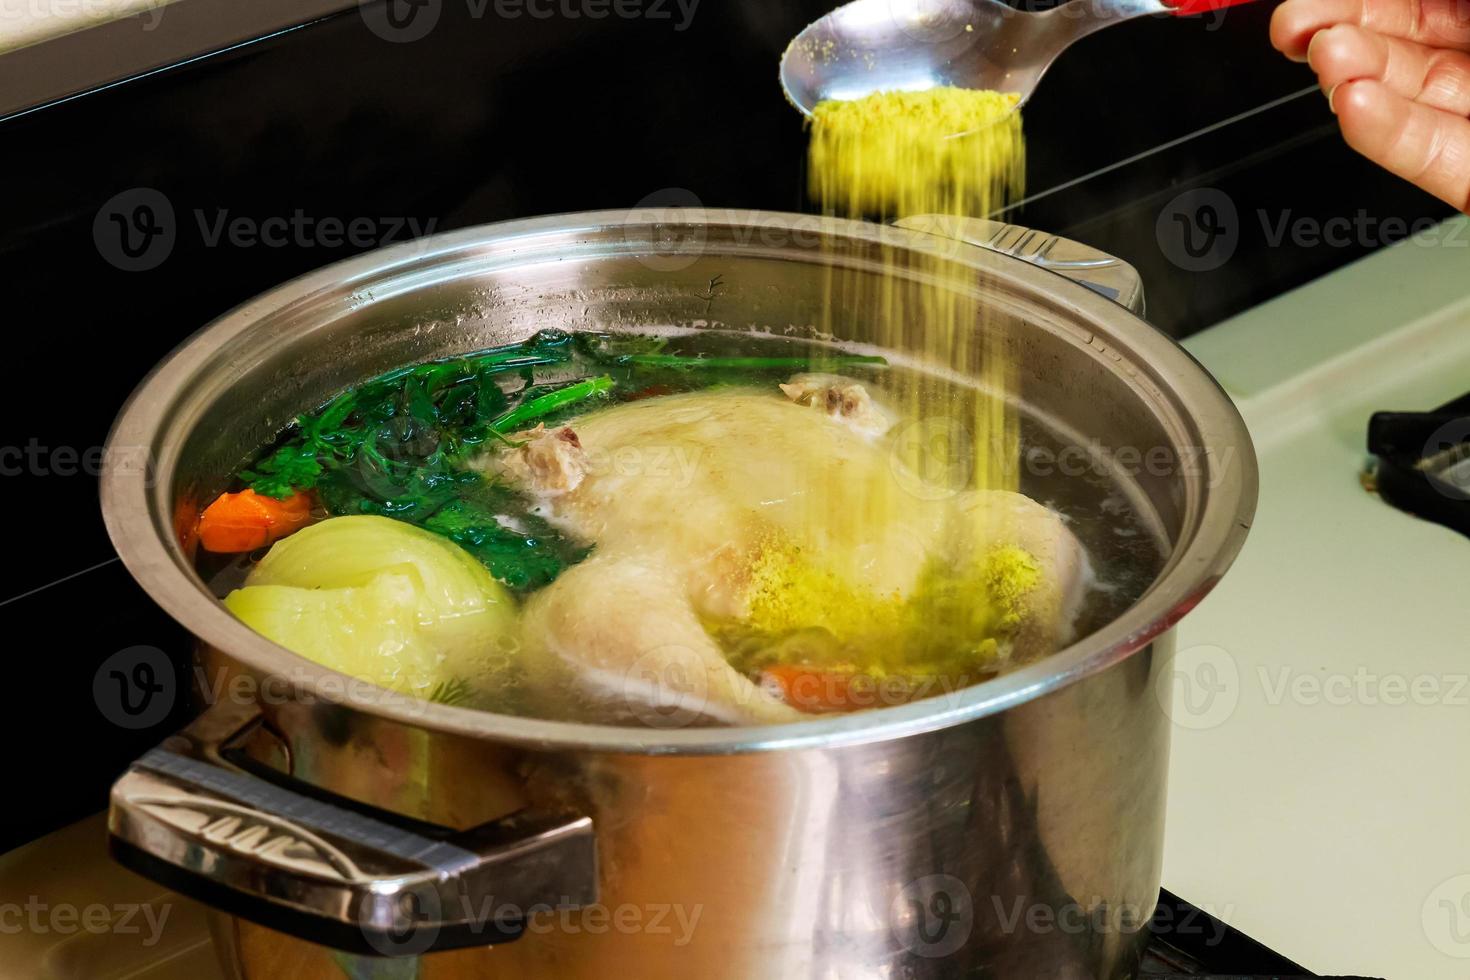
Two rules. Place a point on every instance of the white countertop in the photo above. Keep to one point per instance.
(1320, 800)
(24, 22)
(53, 50)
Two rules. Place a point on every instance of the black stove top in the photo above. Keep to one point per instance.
(1189, 942)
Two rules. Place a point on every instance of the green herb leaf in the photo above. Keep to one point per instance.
(551, 402)
(292, 467)
(522, 550)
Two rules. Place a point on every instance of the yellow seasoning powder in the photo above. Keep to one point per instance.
(946, 154)
(952, 620)
(945, 151)
(951, 154)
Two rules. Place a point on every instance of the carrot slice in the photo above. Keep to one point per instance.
(247, 520)
(816, 691)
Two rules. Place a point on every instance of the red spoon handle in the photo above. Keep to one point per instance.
(1186, 8)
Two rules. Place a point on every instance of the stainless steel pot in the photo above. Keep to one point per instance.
(1010, 831)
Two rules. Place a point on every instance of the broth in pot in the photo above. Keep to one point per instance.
(673, 528)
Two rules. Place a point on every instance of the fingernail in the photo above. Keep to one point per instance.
(1330, 93)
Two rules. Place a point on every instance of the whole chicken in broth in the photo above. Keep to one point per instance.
(759, 554)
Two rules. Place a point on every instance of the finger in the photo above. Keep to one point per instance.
(1294, 23)
(1437, 23)
(1428, 147)
(1430, 76)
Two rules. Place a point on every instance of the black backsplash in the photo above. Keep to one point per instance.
(490, 118)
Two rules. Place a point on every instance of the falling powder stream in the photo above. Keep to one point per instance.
(952, 153)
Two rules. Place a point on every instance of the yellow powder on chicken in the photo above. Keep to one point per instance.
(1010, 574)
(953, 619)
(790, 592)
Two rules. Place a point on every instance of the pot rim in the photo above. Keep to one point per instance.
(139, 519)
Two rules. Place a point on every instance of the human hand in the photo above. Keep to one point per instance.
(1397, 73)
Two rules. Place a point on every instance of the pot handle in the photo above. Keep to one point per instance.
(1098, 271)
(330, 870)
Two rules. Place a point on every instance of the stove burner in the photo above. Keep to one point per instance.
(1423, 464)
(1188, 942)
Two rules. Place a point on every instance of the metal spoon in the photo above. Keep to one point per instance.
(870, 46)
